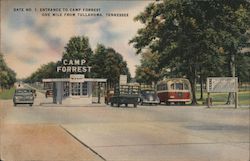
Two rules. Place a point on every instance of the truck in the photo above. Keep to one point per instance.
(126, 94)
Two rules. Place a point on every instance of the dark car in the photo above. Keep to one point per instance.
(149, 97)
(23, 96)
(49, 93)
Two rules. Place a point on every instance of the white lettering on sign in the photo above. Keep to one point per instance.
(222, 84)
(73, 69)
(73, 66)
(74, 62)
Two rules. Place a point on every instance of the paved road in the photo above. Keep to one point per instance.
(146, 133)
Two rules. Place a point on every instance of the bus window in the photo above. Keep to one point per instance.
(186, 87)
(179, 86)
(172, 86)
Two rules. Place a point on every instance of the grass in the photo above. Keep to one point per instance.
(221, 98)
(7, 93)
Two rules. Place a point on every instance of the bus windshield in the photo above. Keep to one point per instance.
(179, 86)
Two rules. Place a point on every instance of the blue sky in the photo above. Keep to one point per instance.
(29, 39)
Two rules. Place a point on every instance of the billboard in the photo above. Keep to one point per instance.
(222, 84)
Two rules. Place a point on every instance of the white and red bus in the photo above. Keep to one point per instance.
(175, 90)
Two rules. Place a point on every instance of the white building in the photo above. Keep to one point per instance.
(76, 90)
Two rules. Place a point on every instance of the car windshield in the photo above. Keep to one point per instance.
(23, 91)
(148, 92)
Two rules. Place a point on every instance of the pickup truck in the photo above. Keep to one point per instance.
(125, 94)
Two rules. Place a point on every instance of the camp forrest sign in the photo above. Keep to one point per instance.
(222, 84)
(73, 66)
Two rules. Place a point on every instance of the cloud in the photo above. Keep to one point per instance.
(29, 40)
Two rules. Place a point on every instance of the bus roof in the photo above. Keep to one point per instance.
(176, 80)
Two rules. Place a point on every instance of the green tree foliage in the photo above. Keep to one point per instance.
(45, 71)
(78, 48)
(107, 63)
(7, 75)
(148, 71)
(195, 38)
(243, 68)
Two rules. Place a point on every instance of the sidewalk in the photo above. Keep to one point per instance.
(42, 142)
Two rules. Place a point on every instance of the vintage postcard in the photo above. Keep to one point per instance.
(116, 80)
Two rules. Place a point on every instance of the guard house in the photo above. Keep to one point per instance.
(75, 90)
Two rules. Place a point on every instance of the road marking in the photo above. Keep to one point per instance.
(83, 143)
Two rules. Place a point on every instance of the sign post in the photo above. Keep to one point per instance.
(221, 85)
(208, 100)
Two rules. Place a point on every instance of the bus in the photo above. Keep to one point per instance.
(175, 90)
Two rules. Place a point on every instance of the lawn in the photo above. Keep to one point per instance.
(7, 93)
(221, 98)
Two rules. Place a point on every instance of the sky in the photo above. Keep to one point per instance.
(30, 38)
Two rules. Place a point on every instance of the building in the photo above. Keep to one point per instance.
(76, 90)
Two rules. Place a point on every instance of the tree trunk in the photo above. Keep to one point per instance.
(99, 92)
(230, 98)
(193, 86)
(201, 88)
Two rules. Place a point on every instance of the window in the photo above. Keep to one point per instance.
(75, 89)
(179, 86)
(84, 88)
(66, 89)
(172, 86)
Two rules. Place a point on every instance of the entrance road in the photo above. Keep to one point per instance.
(146, 133)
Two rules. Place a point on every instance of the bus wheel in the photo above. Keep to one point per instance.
(167, 103)
(112, 104)
(126, 105)
(118, 104)
(135, 105)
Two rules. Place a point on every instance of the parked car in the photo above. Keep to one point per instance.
(149, 97)
(23, 96)
(49, 93)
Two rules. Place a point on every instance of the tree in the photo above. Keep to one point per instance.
(107, 63)
(193, 38)
(148, 71)
(7, 75)
(45, 71)
(78, 48)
